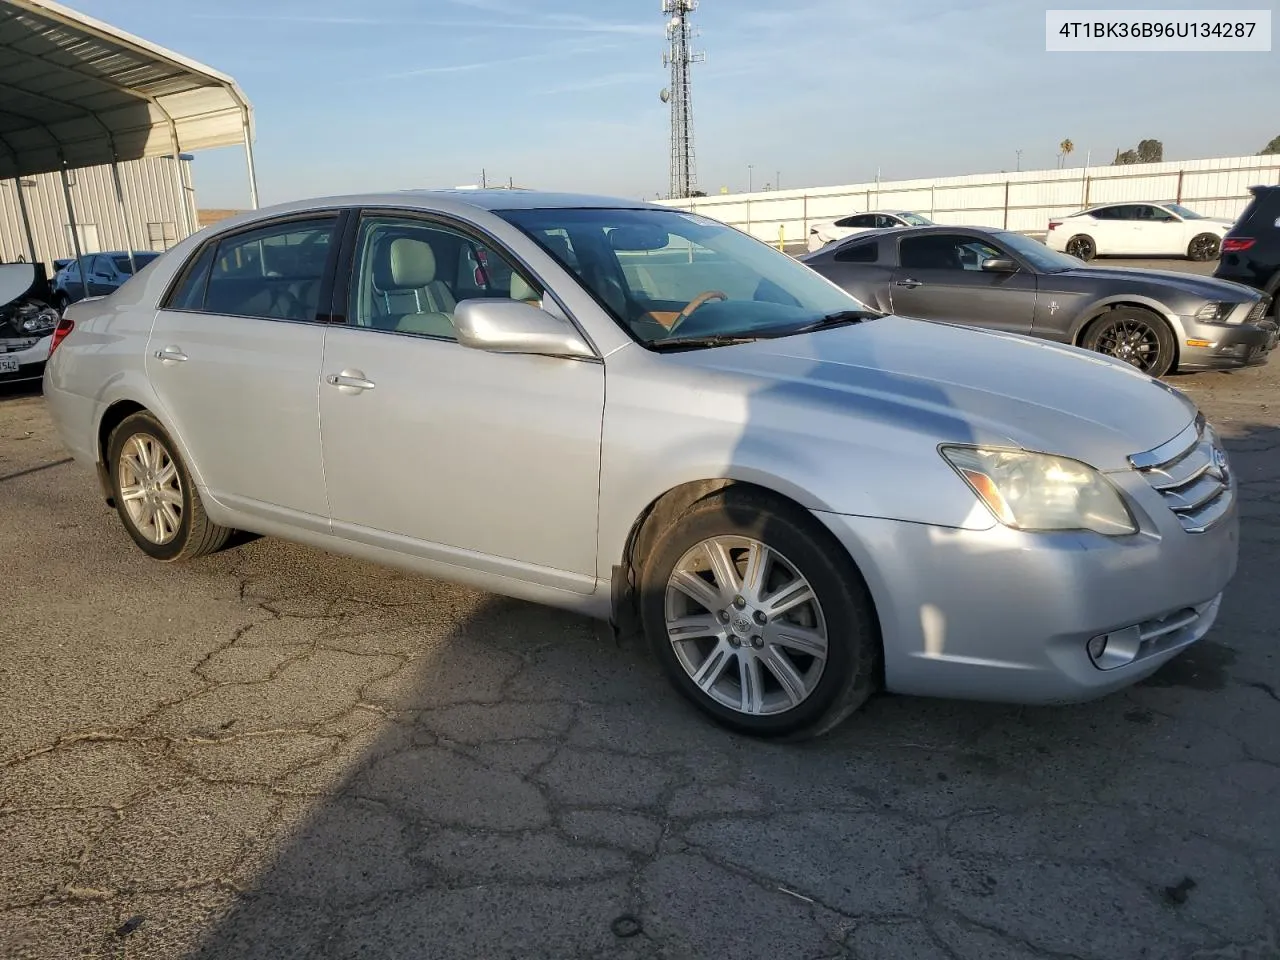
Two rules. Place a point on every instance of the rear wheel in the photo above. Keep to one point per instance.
(1082, 247)
(157, 502)
(1204, 246)
(1137, 337)
(758, 617)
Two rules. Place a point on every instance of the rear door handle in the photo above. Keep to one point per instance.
(908, 283)
(170, 355)
(350, 381)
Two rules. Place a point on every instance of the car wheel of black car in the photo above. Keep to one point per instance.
(1082, 247)
(759, 617)
(154, 494)
(1204, 246)
(60, 302)
(1136, 336)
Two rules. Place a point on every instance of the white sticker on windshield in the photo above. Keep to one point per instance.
(700, 221)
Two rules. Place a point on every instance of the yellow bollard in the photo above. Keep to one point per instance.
(782, 238)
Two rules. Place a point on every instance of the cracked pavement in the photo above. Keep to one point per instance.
(278, 753)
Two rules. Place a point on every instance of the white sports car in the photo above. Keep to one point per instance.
(1138, 229)
(820, 234)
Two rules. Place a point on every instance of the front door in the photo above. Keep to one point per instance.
(234, 358)
(940, 277)
(484, 460)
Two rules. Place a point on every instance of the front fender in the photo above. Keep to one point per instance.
(1127, 299)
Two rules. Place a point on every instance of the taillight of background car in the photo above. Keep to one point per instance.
(1053, 224)
(1236, 244)
(60, 332)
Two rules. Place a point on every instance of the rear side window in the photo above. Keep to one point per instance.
(189, 294)
(1263, 212)
(274, 272)
(860, 220)
(867, 252)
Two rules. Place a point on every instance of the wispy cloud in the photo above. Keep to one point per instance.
(467, 67)
(558, 23)
(596, 83)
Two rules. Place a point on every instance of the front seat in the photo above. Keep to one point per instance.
(412, 296)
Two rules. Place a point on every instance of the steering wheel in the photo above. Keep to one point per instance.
(694, 304)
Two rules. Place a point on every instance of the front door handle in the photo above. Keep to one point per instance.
(908, 283)
(170, 355)
(350, 381)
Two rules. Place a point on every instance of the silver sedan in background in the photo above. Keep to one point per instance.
(643, 415)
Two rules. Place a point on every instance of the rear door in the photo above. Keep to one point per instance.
(940, 277)
(234, 358)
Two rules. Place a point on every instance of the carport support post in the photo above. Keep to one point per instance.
(75, 236)
(1006, 204)
(124, 214)
(248, 158)
(1181, 173)
(26, 219)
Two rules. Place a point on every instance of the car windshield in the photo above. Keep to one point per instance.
(915, 220)
(666, 275)
(142, 259)
(1183, 212)
(1037, 254)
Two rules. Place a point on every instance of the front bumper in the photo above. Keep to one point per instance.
(1208, 346)
(30, 359)
(1002, 615)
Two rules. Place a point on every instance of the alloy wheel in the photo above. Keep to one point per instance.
(746, 625)
(1204, 247)
(1081, 248)
(1133, 341)
(151, 488)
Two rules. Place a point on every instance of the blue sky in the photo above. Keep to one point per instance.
(563, 94)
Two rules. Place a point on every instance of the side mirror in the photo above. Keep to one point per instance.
(513, 326)
(999, 265)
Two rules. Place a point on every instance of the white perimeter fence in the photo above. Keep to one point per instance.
(1023, 201)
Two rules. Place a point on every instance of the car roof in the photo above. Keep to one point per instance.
(457, 202)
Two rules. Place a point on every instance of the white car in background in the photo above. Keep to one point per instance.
(1138, 229)
(820, 234)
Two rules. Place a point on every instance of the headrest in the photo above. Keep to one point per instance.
(559, 246)
(405, 264)
(520, 289)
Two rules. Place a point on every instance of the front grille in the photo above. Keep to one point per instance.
(1192, 474)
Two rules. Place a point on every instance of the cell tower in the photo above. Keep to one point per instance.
(684, 175)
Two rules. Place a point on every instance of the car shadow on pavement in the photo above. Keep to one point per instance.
(449, 774)
(369, 764)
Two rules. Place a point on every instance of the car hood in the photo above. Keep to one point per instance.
(956, 384)
(1207, 287)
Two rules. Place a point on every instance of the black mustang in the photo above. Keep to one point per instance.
(1157, 320)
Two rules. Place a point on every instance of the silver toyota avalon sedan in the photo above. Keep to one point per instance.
(644, 415)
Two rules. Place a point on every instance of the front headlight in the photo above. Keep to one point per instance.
(1039, 492)
(1215, 312)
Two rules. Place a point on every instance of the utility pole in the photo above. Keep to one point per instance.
(679, 95)
(777, 180)
(751, 177)
(1019, 153)
(484, 183)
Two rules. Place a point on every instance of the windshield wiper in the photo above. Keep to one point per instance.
(840, 318)
(695, 343)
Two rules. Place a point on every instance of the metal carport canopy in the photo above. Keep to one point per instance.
(76, 92)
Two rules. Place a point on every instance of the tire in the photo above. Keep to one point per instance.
(193, 534)
(60, 303)
(1082, 247)
(722, 644)
(1203, 247)
(1150, 343)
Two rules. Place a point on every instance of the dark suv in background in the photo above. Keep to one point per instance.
(1251, 249)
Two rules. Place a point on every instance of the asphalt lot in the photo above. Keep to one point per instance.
(278, 753)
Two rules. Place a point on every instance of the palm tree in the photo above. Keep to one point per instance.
(1064, 148)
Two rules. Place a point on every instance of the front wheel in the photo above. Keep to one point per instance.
(758, 617)
(1137, 337)
(1204, 246)
(154, 495)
